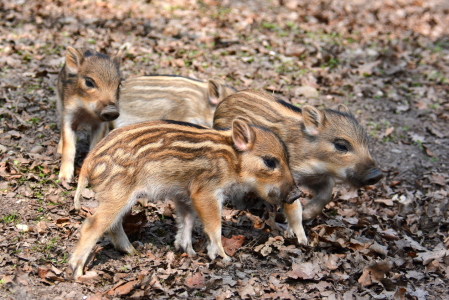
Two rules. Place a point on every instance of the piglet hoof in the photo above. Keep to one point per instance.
(73, 272)
(65, 181)
(127, 249)
(289, 233)
(191, 252)
(303, 241)
(227, 259)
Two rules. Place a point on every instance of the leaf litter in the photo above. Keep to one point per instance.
(387, 60)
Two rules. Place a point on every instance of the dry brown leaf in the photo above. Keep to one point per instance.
(196, 281)
(41, 227)
(232, 244)
(388, 131)
(61, 222)
(387, 202)
(438, 179)
(89, 277)
(374, 273)
(125, 288)
(42, 272)
(304, 271)
(134, 223)
(246, 291)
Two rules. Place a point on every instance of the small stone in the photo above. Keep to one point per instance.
(306, 91)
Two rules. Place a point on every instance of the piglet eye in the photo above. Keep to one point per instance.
(341, 145)
(270, 162)
(89, 83)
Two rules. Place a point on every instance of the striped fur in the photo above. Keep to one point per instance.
(323, 145)
(197, 167)
(157, 97)
(87, 95)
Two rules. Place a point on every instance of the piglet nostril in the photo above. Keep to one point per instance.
(374, 175)
(110, 113)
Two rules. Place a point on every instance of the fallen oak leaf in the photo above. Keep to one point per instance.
(196, 281)
(438, 179)
(304, 271)
(374, 273)
(246, 291)
(232, 244)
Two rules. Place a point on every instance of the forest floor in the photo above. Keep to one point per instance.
(387, 60)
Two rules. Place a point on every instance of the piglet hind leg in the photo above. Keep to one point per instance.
(120, 240)
(106, 218)
(91, 231)
(185, 220)
(208, 209)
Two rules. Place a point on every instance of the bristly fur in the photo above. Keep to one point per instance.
(197, 167)
(170, 97)
(291, 106)
(88, 95)
(323, 145)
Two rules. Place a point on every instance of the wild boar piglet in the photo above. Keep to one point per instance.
(323, 145)
(88, 88)
(196, 166)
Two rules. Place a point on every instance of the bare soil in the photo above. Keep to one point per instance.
(386, 60)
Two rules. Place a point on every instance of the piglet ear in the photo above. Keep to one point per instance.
(344, 109)
(242, 134)
(118, 57)
(214, 92)
(313, 120)
(73, 60)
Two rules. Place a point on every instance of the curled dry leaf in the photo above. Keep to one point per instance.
(124, 289)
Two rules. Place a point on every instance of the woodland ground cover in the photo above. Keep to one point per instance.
(388, 61)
